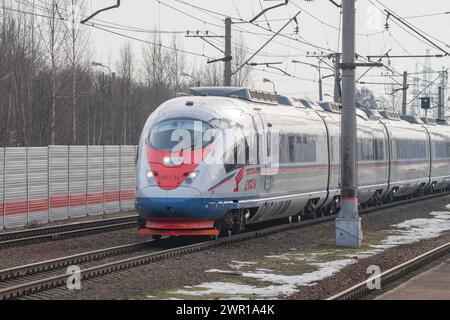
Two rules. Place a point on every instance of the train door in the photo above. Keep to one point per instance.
(263, 138)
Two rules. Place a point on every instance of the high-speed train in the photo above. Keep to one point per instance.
(221, 158)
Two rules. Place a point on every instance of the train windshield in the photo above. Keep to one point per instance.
(175, 134)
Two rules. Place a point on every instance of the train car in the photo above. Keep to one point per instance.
(218, 159)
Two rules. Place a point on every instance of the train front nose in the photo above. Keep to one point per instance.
(184, 202)
(175, 213)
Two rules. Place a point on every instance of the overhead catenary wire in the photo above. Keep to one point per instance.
(247, 22)
(115, 26)
(403, 24)
(413, 27)
(150, 42)
(424, 89)
(102, 28)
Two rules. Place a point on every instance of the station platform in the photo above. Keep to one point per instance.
(433, 284)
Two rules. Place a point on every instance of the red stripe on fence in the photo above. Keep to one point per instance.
(65, 201)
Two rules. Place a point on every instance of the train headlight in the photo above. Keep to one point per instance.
(150, 176)
(191, 177)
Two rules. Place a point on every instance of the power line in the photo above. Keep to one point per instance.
(428, 15)
(414, 26)
(260, 35)
(399, 25)
(429, 85)
(415, 29)
(94, 25)
(267, 42)
(330, 25)
(247, 22)
(149, 42)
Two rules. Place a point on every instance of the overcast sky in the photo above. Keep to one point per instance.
(371, 40)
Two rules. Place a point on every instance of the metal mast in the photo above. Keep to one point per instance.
(348, 223)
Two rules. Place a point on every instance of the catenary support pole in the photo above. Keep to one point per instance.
(320, 84)
(337, 78)
(227, 66)
(441, 109)
(348, 223)
(405, 93)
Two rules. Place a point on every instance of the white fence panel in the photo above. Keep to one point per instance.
(95, 180)
(2, 182)
(77, 181)
(58, 182)
(111, 175)
(42, 184)
(38, 200)
(127, 176)
(16, 208)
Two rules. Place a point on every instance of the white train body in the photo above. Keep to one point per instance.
(396, 158)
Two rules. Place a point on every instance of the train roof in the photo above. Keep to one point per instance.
(290, 101)
(252, 95)
(268, 98)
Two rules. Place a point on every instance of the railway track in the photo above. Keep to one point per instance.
(66, 230)
(392, 277)
(36, 278)
(25, 275)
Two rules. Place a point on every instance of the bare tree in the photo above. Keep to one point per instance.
(53, 32)
(212, 75)
(176, 63)
(126, 69)
(50, 95)
(157, 70)
(240, 78)
(76, 51)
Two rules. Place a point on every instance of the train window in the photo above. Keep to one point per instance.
(411, 149)
(441, 149)
(370, 150)
(283, 157)
(164, 137)
(291, 149)
(379, 149)
(296, 148)
(334, 148)
(233, 159)
(309, 149)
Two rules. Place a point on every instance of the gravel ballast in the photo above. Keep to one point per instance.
(180, 277)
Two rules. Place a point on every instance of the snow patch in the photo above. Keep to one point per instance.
(407, 232)
(324, 270)
(237, 265)
(237, 289)
(414, 230)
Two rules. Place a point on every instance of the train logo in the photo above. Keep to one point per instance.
(238, 178)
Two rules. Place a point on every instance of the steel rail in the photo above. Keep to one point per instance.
(40, 285)
(65, 230)
(57, 263)
(363, 288)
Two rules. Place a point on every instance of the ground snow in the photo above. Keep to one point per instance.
(279, 285)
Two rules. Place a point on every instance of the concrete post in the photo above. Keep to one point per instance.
(348, 223)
